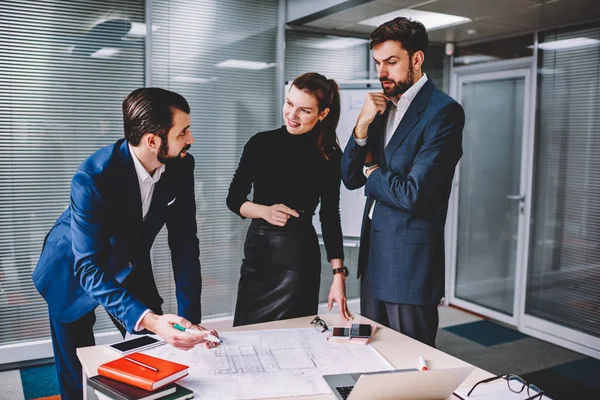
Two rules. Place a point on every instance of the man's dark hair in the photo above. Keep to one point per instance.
(150, 110)
(411, 34)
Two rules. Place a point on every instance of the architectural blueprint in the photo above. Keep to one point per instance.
(270, 363)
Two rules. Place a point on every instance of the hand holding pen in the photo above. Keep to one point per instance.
(162, 325)
(208, 335)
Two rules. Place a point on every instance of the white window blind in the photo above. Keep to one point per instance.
(65, 67)
(563, 283)
(336, 57)
(220, 55)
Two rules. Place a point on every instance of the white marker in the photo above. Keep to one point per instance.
(422, 364)
(209, 337)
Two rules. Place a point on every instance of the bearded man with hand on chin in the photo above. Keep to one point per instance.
(405, 147)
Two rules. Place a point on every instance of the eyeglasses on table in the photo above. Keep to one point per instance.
(515, 383)
(319, 324)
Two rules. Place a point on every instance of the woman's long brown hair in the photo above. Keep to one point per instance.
(327, 93)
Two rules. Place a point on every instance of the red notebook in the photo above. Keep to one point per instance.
(143, 371)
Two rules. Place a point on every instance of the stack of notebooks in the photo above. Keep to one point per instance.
(139, 376)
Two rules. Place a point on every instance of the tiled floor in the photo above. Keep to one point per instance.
(488, 345)
(450, 316)
(10, 382)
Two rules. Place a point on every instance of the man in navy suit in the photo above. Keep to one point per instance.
(405, 147)
(98, 252)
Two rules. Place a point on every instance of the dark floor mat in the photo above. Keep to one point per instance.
(486, 333)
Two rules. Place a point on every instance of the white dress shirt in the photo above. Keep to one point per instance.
(147, 183)
(396, 113)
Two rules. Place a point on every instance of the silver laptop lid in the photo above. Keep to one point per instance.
(420, 385)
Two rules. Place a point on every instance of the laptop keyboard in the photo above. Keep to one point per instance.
(344, 391)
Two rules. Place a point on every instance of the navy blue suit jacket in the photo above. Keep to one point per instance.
(402, 249)
(98, 251)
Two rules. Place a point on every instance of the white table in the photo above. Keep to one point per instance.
(400, 350)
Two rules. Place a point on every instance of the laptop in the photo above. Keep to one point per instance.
(403, 384)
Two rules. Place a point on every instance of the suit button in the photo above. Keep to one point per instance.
(129, 264)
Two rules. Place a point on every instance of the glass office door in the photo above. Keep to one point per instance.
(489, 196)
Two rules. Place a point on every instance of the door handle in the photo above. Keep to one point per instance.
(517, 197)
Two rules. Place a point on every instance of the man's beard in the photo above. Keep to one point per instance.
(163, 153)
(399, 87)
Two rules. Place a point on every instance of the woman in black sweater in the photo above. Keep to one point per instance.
(292, 169)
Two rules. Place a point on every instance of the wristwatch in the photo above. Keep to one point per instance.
(343, 271)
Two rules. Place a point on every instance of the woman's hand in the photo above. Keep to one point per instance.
(337, 293)
(278, 214)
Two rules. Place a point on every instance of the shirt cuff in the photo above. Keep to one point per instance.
(139, 321)
(361, 142)
(365, 169)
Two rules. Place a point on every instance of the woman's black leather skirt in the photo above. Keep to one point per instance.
(280, 273)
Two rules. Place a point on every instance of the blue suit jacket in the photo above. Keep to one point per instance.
(98, 251)
(402, 249)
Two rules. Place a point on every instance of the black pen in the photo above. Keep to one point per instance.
(142, 364)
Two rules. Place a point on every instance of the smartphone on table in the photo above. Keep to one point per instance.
(360, 331)
(340, 332)
(136, 344)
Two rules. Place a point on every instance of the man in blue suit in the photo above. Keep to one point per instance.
(405, 147)
(98, 252)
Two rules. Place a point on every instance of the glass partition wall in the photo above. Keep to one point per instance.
(524, 245)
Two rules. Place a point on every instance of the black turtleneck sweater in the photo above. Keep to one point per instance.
(289, 169)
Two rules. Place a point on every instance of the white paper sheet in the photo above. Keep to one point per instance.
(494, 391)
(270, 363)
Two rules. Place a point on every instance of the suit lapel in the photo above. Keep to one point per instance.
(410, 118)
(130, 187)
(383, 129)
